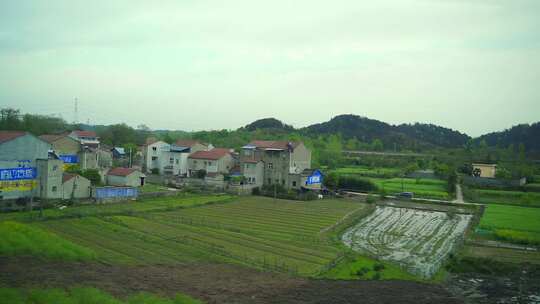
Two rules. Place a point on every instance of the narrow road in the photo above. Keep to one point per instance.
(459, 195)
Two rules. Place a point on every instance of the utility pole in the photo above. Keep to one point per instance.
(130, 157)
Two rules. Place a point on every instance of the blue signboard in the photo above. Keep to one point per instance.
(69, 159)
(18, 173)
(315, 178)
(113, 192)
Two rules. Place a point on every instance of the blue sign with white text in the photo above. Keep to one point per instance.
(18, 173)
(69, 159)
(113, 192)
(315, 178)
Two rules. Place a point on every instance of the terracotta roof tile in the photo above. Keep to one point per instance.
(80, 133)
(67, 176)
(9, 135)
(119, 171)
(213, 154)
(274, 144)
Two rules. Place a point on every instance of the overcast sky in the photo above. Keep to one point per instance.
(469, 65)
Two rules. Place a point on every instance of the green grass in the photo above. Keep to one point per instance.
(426, 188)
(363, 268)
(519, 198)
(512, 223)
(84, 295)
(148, 187)
(143, 205)
(369, 172)
(21, 239)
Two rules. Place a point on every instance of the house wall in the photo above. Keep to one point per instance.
(253, 172)
(222, 165)
(160, 160)
(50, 178)
(89, 159)
(486, 171)
(276, 167)
(22, 151)
(132, 180)
(300, 159)
(77, 187)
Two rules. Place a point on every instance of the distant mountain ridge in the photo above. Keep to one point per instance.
(408, 136)
(526, 134)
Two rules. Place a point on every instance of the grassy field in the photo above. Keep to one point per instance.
(518, 198)
(426, 188)
(512, 223)
(148, 187)
(369, 172)
(254, 231)
(23, 239)
(144, 205)
(83, 295)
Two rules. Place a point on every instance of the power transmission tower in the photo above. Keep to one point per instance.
(76, 112)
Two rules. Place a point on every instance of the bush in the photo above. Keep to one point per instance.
(93, 176)
(256, 191)
(358, 184)
(200, 173)
(378, 267)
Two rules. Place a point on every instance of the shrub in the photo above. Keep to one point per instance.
(92, 175)
(359, 184)
(378, 267)
(200, 173)
(256, 191)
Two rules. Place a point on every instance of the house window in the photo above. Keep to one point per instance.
(294, 183)
(154, 148)
(177, 161)
(171, 160)
(270, 166)
(269, 180)
(247, 152)
(283, 182)
(253, 180)
(154, 157)
(55, 167)
(54, 189)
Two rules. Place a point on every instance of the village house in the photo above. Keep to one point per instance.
(86, 138)
(218, 161)
(19, 152)
(118, 153)
(125, 177)
(74, 151)
(170, 159)
(75, 186)
(266, 162)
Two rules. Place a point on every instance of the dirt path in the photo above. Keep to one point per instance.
(459, 195)
(215, 283)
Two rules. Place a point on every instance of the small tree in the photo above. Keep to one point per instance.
(331, 180)
(93, 176)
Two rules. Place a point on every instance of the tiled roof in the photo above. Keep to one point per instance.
(9, 135)
(274, 144)
(50, 138)
(213, 154)
(80, 133)
(251, 161)
(67, 176)
(119, 171)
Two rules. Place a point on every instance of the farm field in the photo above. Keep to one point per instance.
(426, 188)
(417, 240)
(518, 198)
(86, 295)
(514, 224)
(369, 172)
(141, 205)
(252, 231)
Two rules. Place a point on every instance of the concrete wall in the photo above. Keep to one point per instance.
(149, 153)
(76, 188)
